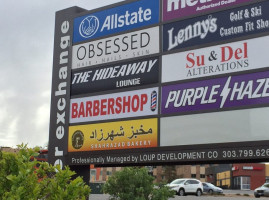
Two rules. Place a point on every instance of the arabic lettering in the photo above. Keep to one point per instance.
(112, 134)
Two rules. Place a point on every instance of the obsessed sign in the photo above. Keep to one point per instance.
(221, 59)
(117, 48)
(229, 92)
(115, 106)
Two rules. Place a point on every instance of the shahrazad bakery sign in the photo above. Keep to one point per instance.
(231, 92)
(114, 135)
(173, 9)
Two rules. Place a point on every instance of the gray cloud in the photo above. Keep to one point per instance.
(26, 53)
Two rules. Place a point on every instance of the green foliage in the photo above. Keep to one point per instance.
(135, 184)
(20, 179)
(170, 173)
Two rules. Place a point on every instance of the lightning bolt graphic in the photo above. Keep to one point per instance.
(225, 92)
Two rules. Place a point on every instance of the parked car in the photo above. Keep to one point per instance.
(186, 186)
(262, 191)
(212, 189)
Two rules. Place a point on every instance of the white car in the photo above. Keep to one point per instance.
(262, 191)
(186, 186)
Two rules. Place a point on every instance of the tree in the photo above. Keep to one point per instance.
(170, 173)
(20, 178)
(135, 184)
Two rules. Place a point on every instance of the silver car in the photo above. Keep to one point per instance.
(262, 191)
(212, 189)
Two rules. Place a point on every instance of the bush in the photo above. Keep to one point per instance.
(135, 184)
(21, 179)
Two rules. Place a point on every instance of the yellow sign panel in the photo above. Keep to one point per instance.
(113, 135)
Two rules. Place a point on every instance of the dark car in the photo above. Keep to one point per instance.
(212, 189)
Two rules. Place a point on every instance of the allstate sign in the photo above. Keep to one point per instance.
(115, 20)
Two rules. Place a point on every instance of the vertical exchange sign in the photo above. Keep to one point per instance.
(60, 92)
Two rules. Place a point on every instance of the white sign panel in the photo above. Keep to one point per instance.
(221, 59)
(114, 106)
(117, 48)
(219, 127)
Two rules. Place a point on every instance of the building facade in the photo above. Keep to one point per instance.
(248, 176)
(161, 173)
(243, 176)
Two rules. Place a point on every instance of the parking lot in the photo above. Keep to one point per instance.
(229, 195)
(204, 197)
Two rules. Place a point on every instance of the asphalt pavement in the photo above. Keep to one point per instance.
(229, 195)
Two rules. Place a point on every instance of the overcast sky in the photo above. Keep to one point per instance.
(26, 53)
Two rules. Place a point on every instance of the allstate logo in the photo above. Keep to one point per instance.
(89, 26)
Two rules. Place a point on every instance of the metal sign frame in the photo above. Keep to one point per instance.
(243, 151)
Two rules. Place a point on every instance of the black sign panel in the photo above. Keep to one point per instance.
(60, 92)
(123, 75)
(215, 153)
(229, 24)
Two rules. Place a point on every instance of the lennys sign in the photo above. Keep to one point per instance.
(221, 93)
(115, 20)
(216, 27)
(221, 59)
(121, 47)
(115, 106)
(124, 75)
(183, 8)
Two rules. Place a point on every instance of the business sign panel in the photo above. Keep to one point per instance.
(110, 21)
(117, 48)
(221, 59)
(221, 93)
(114, 135)
(245, 125)
(173, 9)
(216, 27)
(123, 75)
(115, 106)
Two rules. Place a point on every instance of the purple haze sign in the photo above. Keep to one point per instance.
(182, 8)
(216, 94)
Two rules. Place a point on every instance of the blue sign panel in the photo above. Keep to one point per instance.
(220, 26)
(126, 17)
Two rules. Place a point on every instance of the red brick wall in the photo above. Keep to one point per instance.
(257, 175)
